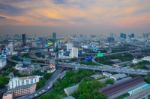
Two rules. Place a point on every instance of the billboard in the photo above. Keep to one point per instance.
(100, 54)
(88, 58)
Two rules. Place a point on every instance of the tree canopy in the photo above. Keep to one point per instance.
(89, 89)
(3, 81)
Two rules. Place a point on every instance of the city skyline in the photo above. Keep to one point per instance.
(74, 16)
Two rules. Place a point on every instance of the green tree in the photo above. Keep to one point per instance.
(3, 81)
(41, 83)
(147, 79)
(43, 80)
(109, 81)
(89, 89)
(71, 78)
(47, 76)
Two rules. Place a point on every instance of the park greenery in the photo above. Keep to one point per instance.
(141, 65)
(71, 78)
(107, 59)
(89, 89)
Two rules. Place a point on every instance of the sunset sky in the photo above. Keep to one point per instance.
(72, 16)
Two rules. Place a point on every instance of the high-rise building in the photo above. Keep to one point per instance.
(54, 36)
(74, 52)
(11, 48)
(131, 36)
(23, 39)
(146, 36)
(110, 39)
(123, 36)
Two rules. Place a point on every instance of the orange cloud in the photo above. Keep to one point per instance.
(48, 13)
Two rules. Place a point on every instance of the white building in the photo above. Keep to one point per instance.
(115, 76)
(22, 81)
(107, 74)
(135, 61)
(11, 48)
(3, 62)
(69, 46)
(74, 52)
(147, 58)
(118, 76)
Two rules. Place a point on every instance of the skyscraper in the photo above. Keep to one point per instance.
(54, 36)
(23, 39)
(123, 35)
(131, 36)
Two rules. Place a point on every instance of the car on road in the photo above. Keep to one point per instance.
(35, 94)
(48, 87)
(43, 90)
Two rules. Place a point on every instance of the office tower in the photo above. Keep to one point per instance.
(131, 36)
(110, 39)
(54, 36)
(23, 39)
(123, 36)
(11, 47)
(146, 36)
(74, 52)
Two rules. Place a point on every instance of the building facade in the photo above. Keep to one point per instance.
(22, 81)
(74, 53)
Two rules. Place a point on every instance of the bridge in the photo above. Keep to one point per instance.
(106, 68)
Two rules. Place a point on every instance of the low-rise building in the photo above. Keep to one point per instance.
(134, 88)
(135, 61)
(20, 91)
(22, 81)
(107, 74)
(8, 95)
(147, 58)
(118, 76)
(97, 76)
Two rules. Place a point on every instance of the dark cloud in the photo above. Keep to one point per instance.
(9, 9)
(60, 1)
(2, 17)
(12, 1)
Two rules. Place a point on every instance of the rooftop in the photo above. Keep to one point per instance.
(123, 86)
